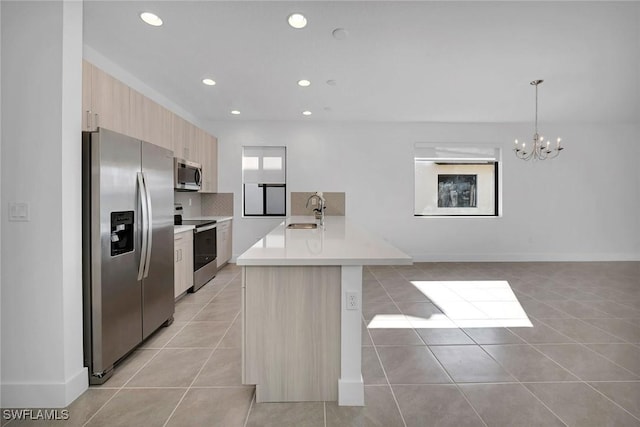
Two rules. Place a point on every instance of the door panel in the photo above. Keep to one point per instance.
(116, 293)
(158, 287)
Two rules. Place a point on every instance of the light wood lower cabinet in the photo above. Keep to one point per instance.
(183, 258)
(224, 242)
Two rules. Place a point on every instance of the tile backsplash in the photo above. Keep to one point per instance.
(217, 204)
(335, 203)
(189, 210)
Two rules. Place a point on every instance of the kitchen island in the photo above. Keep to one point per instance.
(302, 310)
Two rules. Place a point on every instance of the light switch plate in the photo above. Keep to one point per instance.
(18, 211)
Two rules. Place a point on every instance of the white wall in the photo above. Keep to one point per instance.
(580, 206)
(42, 363)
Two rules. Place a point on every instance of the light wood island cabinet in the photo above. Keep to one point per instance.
(301, 300)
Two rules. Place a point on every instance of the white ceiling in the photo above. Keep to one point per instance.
(402, 61)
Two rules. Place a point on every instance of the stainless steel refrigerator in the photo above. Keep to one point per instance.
(128, 266)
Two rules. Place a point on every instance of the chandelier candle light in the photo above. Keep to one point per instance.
(541, 150)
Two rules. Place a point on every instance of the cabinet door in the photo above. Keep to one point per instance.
(220, 245)
(109, 101)
(146, 119)
(188, 260)
(87, 112)
(193, 143)
(229, 242)
(179, 268)
(165, 127)
(214, 165)
(210, 153)
(179, 136)
(224, 243)
(205, 153)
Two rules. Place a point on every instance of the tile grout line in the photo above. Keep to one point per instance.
(586, 382)
(253, 399)
(324, 407)
(526, 388)
(585, 346)
(203, 365)
(453, 382)
(119, 389)
(578, 343)
(491, 357)
(384, 371)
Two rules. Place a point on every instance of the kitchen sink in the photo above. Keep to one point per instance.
(302, 225)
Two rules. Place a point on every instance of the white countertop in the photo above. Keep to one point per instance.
(182, 228)
(338, 242)
(213, 218)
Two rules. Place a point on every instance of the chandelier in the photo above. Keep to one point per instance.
(540, 150)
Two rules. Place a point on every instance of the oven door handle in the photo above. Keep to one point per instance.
(149, 227)
(145, 225)
(205, 228)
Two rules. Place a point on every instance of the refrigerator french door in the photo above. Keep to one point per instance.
(127, 246)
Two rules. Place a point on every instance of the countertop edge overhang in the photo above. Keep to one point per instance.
(338, 243)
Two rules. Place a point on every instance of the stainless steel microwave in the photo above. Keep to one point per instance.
(187, 175)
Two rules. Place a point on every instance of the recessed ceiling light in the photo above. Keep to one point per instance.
(304, 83)
(235, 112)
(297, 20)
(151, 19)
(331, 82)
(306, 113)
(209, 82)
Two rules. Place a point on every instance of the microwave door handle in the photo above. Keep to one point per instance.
(145, 224)
(198, 177)
(149, 228)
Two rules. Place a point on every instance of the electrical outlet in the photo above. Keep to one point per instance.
(189, 201)
(352, 300)
(314, 202)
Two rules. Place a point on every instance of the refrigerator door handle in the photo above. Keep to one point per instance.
(145, 224)
(149, 228)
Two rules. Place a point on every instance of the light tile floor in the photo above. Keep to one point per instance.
(427, 365)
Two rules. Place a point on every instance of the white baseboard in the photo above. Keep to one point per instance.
(351, 393)
(526, 257)
(48, 395)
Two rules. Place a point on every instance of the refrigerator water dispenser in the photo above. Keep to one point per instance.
(121, 232)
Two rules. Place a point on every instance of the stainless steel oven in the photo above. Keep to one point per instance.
(205, 265)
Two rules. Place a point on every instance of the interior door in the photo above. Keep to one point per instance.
(158, 287)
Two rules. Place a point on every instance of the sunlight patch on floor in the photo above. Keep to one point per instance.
(464, 304)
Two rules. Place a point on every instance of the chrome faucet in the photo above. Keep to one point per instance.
(319, 209)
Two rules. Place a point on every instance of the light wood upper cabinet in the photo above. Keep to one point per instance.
(179, 135)
(146, 120)
(166, 129)
(105, 101)
(87, 71)
(209, 157)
